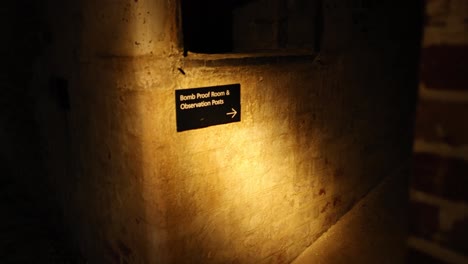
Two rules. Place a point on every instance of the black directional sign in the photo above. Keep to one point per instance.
(207, 106)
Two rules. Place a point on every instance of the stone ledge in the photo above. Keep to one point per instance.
(217, 60)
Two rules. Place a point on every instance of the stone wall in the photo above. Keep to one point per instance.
(318, 132)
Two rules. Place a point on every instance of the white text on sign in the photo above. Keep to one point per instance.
(207, 95)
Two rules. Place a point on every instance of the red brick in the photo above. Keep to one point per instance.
(426, 173)
(424, 219)
(442, 122)
(441, 176)
(445, 67)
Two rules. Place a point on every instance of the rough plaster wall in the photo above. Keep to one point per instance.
(315, 137)
(239, 192)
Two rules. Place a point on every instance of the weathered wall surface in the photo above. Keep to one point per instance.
(439, 219)
(316, 135)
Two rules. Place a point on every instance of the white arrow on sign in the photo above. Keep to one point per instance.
(233, 113)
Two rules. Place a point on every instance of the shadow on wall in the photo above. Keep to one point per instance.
(32, 222)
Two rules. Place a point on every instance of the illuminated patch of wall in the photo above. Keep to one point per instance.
(259, 190)
(126, 28)
(247, 191)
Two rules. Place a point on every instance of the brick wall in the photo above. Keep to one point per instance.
(439, 195)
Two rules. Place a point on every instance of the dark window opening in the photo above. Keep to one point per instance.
(207, 25)
(226, 26)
